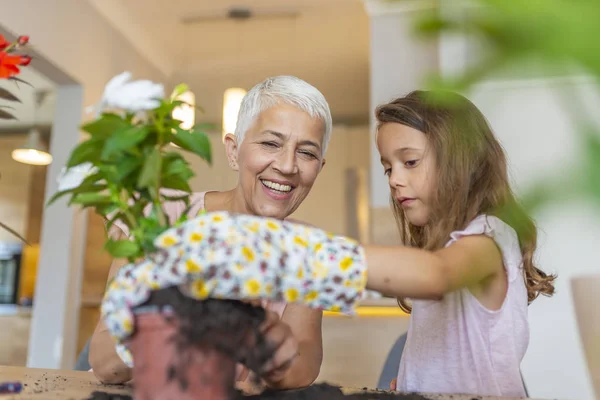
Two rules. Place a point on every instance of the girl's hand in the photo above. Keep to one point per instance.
(393, 384)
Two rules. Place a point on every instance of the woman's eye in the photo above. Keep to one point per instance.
(309, 154)
(411, 163)
(387, 171)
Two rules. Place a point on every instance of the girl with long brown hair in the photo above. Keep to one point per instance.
(467, 264)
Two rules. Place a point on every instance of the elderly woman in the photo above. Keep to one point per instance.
(283, 128)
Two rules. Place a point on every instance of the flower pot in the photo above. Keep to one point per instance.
(163, 370)
(185, 348)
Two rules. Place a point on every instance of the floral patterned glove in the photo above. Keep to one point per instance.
(221, 255)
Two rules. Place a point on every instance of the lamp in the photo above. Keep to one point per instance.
(186, 113)
(232, 99)
(33, 152)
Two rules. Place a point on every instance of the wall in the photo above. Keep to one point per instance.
(399, 64)
(21, 205)
(73, 45)
(13, 337)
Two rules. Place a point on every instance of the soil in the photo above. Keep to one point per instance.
(321, 391)
(324, 391)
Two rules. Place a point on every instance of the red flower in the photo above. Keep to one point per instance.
(25, 60)
(3, 43)
(23, 40)
(9, 64)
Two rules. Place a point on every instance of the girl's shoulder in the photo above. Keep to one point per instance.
(504, 236)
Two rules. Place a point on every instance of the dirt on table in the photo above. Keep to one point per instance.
(320, 391)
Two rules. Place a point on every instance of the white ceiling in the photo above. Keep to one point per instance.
(326, 43)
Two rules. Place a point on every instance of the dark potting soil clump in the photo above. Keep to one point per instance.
(324, 391)
(108, 396)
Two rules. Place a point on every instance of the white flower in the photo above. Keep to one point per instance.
(132, 96)
(73, 177)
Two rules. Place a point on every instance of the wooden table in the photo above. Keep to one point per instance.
(51, 384)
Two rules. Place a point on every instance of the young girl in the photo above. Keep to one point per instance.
(468, 265)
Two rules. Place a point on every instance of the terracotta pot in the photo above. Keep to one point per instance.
(586, 296)
(202, 373)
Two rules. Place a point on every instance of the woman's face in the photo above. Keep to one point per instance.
(278, 160)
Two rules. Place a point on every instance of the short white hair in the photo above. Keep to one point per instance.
(287, 90)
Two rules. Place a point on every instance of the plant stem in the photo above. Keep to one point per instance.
(162, 219)
(130, 217)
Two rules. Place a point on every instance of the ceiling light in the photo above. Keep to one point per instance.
(33, 152)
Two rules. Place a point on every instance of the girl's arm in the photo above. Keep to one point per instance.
(415, 273)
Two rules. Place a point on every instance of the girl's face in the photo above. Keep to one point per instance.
(410, 166)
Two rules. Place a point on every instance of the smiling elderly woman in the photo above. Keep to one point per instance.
(283, 128)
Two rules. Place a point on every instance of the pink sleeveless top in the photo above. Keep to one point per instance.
(456, 345)
(174, 209)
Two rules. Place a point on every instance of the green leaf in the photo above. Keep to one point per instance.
(87, 151)
(80, 189)
(6, 115)
(204, 127)
(14, 78)
(127, 166)
(14, 233)
(592, 163)
(151, 170)
(183, 197)
(150, 234)
(432, 24)
(107, 209)
(105, 126)
(176, 183)
(91, 179)
(194, 142)
(124, 140)
(6, 95)
(178, 167)
(172, 155)
(121, 248)
(91, 199)
(179, 90)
